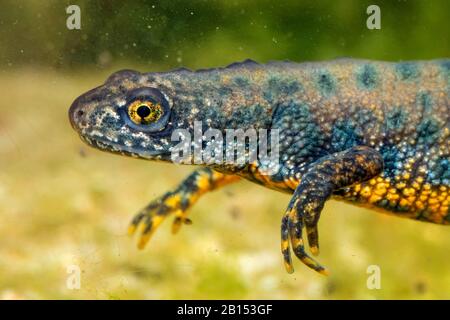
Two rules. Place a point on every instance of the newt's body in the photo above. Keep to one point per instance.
(370, 133)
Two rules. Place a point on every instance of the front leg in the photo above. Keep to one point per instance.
(177, 202)
(326, 175)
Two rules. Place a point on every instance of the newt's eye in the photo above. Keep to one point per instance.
(147, 110)
(144, 112)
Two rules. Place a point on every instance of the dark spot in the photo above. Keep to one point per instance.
(326, 83)
(241, 82)
(424, 100)
(110, 122)
(225, 91)
(254, 115)
(107, 121)
(391, 154)
(278, 86)
(440, 172)
(345, 135)
(428, 131)
(365, 118)
(395, 119)
(443, 168)
(178, 84)
(367, 77)
(80, 113)
(407, 70)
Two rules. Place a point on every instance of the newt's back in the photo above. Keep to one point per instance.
(401, 110)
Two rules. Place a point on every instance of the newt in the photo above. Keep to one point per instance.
(370, 133)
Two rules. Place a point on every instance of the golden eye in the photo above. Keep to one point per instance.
(144, 112)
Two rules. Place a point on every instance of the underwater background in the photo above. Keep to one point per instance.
(63, 204)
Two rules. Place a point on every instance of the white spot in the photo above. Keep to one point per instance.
(121, 102)
(141, 135)
(144, 144)
(96, 133)
(111, 137)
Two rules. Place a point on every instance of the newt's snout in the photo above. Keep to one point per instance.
(76, 113)
(83, 105)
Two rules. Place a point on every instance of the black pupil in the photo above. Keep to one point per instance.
(143, 111)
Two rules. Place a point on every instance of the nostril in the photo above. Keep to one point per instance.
(76, 114)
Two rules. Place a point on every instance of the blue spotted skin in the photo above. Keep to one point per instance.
(370, 133)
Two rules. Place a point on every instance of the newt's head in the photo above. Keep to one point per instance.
(130, 114)
(138, 114)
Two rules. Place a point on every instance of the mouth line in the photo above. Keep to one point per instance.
(116, 148)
